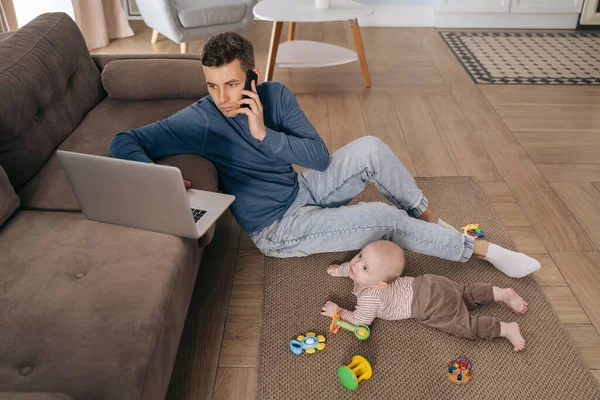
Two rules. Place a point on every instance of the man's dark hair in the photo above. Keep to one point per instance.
(223, 48)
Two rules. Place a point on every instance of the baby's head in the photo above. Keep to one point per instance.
(378, 264)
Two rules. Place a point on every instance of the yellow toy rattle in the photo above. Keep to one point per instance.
(358, 370)
(362, 332)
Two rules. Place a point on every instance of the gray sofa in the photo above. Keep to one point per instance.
(87, 310)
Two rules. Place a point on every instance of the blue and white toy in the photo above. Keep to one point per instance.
(308, 343)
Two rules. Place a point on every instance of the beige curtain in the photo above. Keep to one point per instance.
(8, 18)
(101, 20)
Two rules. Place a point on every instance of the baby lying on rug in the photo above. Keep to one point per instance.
(433, 300)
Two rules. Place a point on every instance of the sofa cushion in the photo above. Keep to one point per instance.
(154, 79)
(48, 82)
(50, 189)
(194, 14)
(91, 310)
(9, 201)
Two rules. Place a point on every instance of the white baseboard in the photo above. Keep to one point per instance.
(400, 16)
(505, 20)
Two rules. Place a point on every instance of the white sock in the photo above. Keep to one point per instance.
(513, 264)
(445, 225)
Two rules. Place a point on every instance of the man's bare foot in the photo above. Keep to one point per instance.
(512, 332)
(511, 299)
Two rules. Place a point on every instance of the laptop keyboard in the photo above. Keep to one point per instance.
(198, 214)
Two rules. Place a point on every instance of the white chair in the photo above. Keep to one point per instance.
(185, 20)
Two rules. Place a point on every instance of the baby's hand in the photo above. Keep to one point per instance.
(329, 309)
(332, 270)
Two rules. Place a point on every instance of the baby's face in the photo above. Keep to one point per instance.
(371, 265)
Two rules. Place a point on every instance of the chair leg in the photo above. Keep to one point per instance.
(273, 47)
(154, 36)
(291, 30)
(183, 47)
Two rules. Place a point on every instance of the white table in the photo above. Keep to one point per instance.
(308, 54)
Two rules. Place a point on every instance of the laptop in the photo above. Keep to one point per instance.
(141, 195)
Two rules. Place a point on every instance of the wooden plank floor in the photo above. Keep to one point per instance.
(535, 151)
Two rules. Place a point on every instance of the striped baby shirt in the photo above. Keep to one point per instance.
(393, 302)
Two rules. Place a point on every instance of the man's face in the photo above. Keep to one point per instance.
(225, 85)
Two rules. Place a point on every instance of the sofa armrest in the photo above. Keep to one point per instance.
(203, 176)
(152, 79)
(161, 15)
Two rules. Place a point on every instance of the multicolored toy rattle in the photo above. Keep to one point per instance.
(307, 343)
(473, 230)
(362, 332)
(456, 368)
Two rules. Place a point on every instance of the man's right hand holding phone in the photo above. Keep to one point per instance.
(256, 120)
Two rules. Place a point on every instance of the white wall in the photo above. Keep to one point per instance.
(27, 10)
(540, 14)
(400, 13)
(398, 2)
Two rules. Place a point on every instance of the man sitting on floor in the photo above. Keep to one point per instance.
(297, 214)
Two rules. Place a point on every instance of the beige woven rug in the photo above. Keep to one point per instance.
(409, 360)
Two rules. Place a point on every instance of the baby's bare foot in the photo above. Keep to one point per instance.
(513, 300)
(512, 332)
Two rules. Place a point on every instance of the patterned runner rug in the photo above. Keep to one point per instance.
(528, 58)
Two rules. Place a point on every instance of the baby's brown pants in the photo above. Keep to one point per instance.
(444, 304)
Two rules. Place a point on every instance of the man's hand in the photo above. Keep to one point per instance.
(333, 270)
(329, 309)
(256, 119)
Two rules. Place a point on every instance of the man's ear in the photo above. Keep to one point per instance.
(381, 285)
(257, 72)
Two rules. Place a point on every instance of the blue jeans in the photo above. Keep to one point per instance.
(319, 220)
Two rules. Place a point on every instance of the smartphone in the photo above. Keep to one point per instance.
(250, 76)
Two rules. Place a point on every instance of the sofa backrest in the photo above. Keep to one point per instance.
(9, 201)
(48, 82)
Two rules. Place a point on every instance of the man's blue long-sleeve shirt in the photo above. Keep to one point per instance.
(259, 174)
